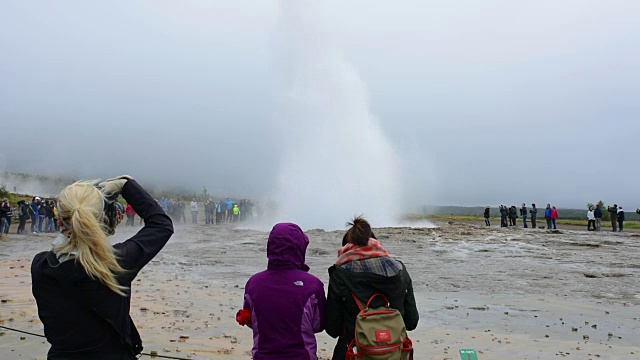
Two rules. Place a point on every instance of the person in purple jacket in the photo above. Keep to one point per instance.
(284, 305)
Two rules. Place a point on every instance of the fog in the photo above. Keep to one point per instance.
(477, 102)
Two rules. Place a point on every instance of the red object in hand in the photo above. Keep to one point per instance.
(243, 317)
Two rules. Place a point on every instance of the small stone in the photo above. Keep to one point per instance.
(23, 338)
(585, 337)
(594, 326)
(184, 337)
(574, 329)
(546, 336)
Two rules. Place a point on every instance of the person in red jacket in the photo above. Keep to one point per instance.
(554, 216)
(130, 215)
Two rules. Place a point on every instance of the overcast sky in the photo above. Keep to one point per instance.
(483, 102)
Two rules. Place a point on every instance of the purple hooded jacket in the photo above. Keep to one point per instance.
(286, 302)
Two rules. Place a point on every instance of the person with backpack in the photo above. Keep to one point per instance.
(534, 215)
(50, 223)
(82, 286)
(23, 216)
(284, 305)
(487, 216)
(364, 276)
(597, 213)
(504, 213)
(613, 214)
(513, 215)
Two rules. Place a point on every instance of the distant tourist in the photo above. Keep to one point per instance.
(164, 203)
(513, 215)
(504, 214)
(5, 216)
(487, 211)
(534, 215)
(554, 216)
(613, 213)
(23, 215)
(181, 209)
(597, 213)
(547, 215)
(207, 211)
(620, 219)
(236, 213)
(228, 215)
(194, 211)
(219, 213)
(591, 219)
(523, 213)
(284, 305)
(34, 208)
(130, 215)
(51, 218)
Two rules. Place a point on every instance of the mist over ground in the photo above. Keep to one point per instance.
(480, 103)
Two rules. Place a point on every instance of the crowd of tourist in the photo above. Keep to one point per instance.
(215, 212)
(509, 216)
(42, 213)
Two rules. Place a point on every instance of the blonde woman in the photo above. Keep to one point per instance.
(82, 286)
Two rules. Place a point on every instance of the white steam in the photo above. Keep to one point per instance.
(337, 162)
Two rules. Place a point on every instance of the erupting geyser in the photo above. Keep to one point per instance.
(336, 161)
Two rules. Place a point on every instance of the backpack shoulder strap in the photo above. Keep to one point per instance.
(358, 302)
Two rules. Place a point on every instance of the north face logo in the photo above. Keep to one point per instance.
(383, 335)
(298, 283)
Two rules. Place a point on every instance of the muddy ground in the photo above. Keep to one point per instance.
(508, 293)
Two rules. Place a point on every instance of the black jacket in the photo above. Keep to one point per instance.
(25, 211)
(341, 309)
(486, 213)
(74, 331)
(4, 210)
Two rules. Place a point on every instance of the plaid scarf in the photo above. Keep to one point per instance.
(352, 252)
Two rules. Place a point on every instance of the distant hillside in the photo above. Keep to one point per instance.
(571, 214)
(29, 184)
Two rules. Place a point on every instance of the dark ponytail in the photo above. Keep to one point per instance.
(359, 232)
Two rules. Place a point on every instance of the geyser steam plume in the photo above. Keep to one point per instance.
(336, 160)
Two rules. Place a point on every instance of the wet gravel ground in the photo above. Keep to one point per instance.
(509, 293)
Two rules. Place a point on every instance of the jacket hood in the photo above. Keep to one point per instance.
(286, 247)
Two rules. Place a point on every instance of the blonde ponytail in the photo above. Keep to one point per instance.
(81, 207)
